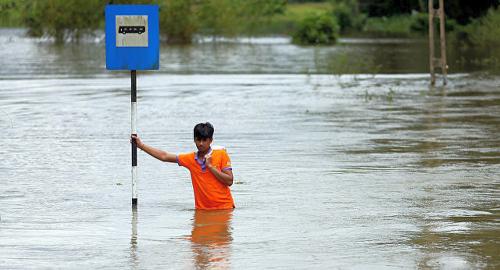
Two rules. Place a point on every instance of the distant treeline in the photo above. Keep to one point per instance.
(307, 21)
(179, 19)
(396, 18)
(460, 10)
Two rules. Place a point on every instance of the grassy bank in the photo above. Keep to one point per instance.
(395, 26)
(286, 23)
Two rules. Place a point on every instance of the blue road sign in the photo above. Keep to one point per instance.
(132, 37)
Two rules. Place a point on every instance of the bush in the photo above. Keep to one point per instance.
(177, 21)
(317, 28)
(348, 16)
(484, 32)
(9, 13)
(62, 19)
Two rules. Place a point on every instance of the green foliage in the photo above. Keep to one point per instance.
(395, 26)
(9, 13)
(219, 17)
(230, 17)
(348, 15)
(256, 15)
(485, 32)
(461, 11)
(178, 21)
(287, 22)
(62, 19)
(420, 23)
(403, 25)
(317, 28)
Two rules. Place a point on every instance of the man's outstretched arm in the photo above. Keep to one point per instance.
(154, 152)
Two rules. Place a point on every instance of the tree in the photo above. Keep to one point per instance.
(62, 19)
(179, 19)
(461, 10)
(317, 29)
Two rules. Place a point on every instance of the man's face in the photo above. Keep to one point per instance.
(202, 144)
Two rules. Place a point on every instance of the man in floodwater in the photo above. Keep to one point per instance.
(210, 168)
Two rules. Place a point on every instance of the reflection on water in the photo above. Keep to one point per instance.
(134, 258)
(211, 239)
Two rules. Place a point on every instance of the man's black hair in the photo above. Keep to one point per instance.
(204, 131)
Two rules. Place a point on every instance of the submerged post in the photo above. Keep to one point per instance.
(133, 118)
(435, 62)
(442, 35)
(431, 42)
(132, 43)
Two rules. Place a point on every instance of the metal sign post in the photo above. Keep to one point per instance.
(132, 43)
(133, 116)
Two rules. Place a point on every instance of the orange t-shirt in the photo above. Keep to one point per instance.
(209, 193)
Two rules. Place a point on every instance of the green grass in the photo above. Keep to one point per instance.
(395, 26)
(298, 12)
(286, 23)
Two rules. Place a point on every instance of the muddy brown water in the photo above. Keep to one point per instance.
(373, 170)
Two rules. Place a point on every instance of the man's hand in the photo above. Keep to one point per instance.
(137, 140)
(225, 177)
(208, 160)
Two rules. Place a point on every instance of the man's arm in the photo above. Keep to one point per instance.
(225, 177)
(157, 153)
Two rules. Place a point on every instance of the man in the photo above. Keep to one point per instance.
(210, 168)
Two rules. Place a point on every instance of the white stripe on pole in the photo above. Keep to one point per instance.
(134, 184)
(134, 168)
(134, 117)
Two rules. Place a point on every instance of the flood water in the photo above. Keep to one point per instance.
(369, 170)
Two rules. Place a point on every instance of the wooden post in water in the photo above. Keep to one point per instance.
(133, 112)
(441, 61)
(442, 36)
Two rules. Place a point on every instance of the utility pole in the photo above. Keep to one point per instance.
(440, 62)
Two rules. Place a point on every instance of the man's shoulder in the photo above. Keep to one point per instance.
(218, 148)
(187, 154)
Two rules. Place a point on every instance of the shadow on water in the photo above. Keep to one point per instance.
(211, 239)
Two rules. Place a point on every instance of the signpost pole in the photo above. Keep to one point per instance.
(132, 43)
(133, 112)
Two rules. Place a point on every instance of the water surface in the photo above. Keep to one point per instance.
(371, 170)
